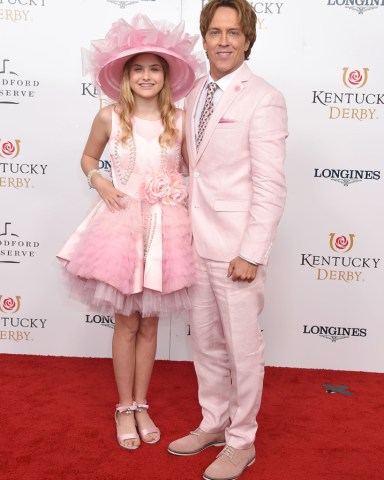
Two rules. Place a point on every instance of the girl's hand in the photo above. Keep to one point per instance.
(108, 192)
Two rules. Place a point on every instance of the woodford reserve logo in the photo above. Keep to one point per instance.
(16, 174)
(350, 105)
(15, 249)
(13, 87)
(340, 267)
(359, 6)
(16, 328)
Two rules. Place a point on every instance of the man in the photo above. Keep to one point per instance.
(236, 149)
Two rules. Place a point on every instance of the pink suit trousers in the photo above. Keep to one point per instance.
(224, 318)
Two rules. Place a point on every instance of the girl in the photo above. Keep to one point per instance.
(132, 255)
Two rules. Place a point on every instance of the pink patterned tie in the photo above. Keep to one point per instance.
(206, 113)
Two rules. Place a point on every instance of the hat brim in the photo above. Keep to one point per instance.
(181, 74)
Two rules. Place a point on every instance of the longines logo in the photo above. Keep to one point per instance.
(15, 328)
(127, 3)
(14, 175)
(334, 333)
(13, 248)
(339, 267)
(261, 9)
(105, 165)
(16, 15)
(346, 177)
(358, 6)
(354, 104)
(103, 320)
(13, 88)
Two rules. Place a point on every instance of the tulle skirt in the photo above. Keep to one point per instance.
(105, 260)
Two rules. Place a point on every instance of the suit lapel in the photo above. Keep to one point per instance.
(236, 86)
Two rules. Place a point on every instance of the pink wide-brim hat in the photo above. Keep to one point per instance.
(106, 59)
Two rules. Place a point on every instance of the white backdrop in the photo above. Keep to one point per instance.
(324, 300)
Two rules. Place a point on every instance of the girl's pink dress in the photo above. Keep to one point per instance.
(139, 258)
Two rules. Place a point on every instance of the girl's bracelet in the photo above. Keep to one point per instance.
(90, 175)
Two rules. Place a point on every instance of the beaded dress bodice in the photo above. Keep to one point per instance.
(141, 154)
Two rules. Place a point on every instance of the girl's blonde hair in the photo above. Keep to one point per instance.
(126, 106)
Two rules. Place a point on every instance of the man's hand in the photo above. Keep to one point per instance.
(241, 270)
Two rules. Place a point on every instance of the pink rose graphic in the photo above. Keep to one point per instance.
(8, 148)
(341, 242)
(355, 77)
(9, 304)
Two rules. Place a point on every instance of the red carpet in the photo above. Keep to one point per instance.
(57, 423)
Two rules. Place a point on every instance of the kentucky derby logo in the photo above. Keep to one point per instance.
(123, 4)
(356, 78)
(341, 244)
(30, 3)
(340, 267)
(17, 329)
(9, 149)
(17, 174)
(9, 304)
(19, 14)
(356, 105)
(262, 9)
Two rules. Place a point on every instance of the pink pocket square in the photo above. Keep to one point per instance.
(226, 120)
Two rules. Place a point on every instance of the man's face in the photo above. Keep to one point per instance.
(225, 43)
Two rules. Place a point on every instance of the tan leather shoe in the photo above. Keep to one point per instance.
(230, 463)
(196, 442)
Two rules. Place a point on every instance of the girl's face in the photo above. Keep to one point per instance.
(146, 76)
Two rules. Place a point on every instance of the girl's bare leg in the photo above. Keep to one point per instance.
(124, 360)
(146, 343)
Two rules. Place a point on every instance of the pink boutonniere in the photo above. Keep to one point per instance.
(237, 88)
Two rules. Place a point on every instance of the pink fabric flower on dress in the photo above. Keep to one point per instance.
(165, 188)
(178, 190)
